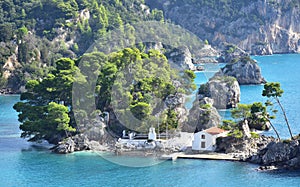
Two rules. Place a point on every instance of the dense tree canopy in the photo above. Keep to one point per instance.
(128, 80)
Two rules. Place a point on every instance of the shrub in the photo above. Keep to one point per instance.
(254, 135)
(236, 133)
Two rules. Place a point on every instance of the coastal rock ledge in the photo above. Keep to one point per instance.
(278, 155)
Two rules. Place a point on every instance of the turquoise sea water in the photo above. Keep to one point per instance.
(25, 164)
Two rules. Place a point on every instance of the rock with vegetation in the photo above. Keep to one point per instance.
(242, 147)
(240, 141)
(230, 53)
(245, 70)
(62, 108)
(202, 115)
(224, 90)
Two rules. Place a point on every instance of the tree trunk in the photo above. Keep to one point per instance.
(274, 129)
(285, 117)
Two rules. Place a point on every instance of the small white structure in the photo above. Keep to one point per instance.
(131, 135)
(152, 134)
(206, 140)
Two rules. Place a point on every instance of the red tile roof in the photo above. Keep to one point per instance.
(214, 130)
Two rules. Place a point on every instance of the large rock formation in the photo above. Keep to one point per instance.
(91, 137)
(202, 116)
(230, 53)
(224, 91)
(258, 27)
(241, 143)
(242, 148)
(245, 70)
(206, 55)
(181, 57)
(282, 155)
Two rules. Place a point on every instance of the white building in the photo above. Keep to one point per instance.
(152, 134)
(206, 140)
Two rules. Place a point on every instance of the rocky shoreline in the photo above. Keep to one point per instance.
(267, 152)
(7, 91)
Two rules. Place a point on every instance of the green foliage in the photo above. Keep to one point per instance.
(236, 133)
(141, 110)
(229, 125)
(39, 112)
(170, 122)
(58, 115)
(206, 42)
(272, 89)
(287, 141)
(254, 135)
(206, 106)
(241, 112)
(157, 15)
(190, 74)
(203, 89)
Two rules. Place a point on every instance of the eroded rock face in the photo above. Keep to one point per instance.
(224, 90)
(230, 53)
(245, 70)
(91, 137)
(206, 55)
(244, 147)
(282, 155)
(260, 27)
(202, 116)
(182, 57)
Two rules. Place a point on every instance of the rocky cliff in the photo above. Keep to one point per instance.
(258, 26)
(181, 57)
(202, 116)
(224, 90)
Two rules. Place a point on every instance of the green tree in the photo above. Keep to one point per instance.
(273, 90)
(44, 107)
(241, 112)
(141, 110)
(170, 121)
(58, 116)
(259, 114)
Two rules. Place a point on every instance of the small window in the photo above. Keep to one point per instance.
(203, 136)
(203, 145)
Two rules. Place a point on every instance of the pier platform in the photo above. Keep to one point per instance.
(209, 156)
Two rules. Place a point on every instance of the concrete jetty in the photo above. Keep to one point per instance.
(208, 156)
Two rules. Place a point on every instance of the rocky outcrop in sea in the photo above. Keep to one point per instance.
(223, 90)
(230, 53)
(245, 70)
(206, 55)
(202, 115)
